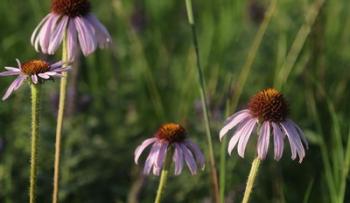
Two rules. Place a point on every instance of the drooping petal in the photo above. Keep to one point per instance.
(278, 141)
(232, 121)
(294, 140)
(162, 154)
(263, 140)
(189, 159)
(102, 34)
(178, 159)
(301, 134)
(34, 34)
(35, 79)
(197, 153)
(72, 37)
(86, 35)
(151, 158)
(44, 36)
(14, 86)
(57, 36)
(237, 135)
(142, 147)
(243, 141)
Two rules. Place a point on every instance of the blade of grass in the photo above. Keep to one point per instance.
(298, 44)
(242, 78)
(139, 53)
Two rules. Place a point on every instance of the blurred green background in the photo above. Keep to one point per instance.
(119, 97)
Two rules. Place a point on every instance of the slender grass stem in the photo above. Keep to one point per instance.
(204, 102)
(60, 115)
(163, 177)
(35, 91)
(242, 79)
(251, 179)
(298, 43)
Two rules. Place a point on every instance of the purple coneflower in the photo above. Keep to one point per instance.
(35, 70)
(72, 17)
(171, 136)
(269, 110)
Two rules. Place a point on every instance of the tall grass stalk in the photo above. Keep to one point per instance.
(35, 91)
(242, 79)
(336, 160)
(299, 41)
(203, 94)
(138, 51)
(60, 115)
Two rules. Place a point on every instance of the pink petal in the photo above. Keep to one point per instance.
(72, 37)
(178, 159)
(14, 86)
(9, 73)
(263, 140)
(243, 141)
(278, 141)
(301, 134)
(102, 34)
(19, 64)
(151, 157)
(35, 79)
(161, 154)
(44, 36)
(237, 136)
(232, 121)
(32, 39)
(142, 147)
(44, 75)
(57, 36)
(13, 69)
(294, 140)
(197, 153)
(189, 159)
(86, 35)
(56, 65)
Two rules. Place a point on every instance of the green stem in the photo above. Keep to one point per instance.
(251, 178)
(204, 102)
(35, 90)
(163, 177)
(60, 115)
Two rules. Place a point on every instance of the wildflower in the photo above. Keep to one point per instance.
(269, 110)
(35, 70)
(73, 18)
(171, 136)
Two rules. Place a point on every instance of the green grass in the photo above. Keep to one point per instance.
(148, 77)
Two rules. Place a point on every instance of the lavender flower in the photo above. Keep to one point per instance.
(72, 17)
(35, 70)
(171, 136)
(269, 110)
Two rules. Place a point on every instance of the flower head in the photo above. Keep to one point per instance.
(72, 17)
(35, 70)
(269, 110)
(171, 136)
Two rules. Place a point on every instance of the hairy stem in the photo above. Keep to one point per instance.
(35, 91)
